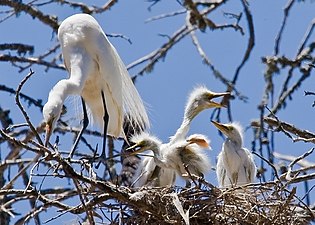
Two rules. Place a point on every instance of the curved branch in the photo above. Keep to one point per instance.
(18, 6)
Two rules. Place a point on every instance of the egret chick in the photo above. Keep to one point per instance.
(199, 99)
(181, 157)
(192, 156)
(99, 76)
(152, 170)
(235, 164)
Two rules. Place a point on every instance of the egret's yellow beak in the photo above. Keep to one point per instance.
(135, 149)
(48, 129)
(199, 141)
(222, 127)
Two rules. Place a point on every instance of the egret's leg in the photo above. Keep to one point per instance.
(154, 179)
(188, 184)
(106, 119)
(234, 178)
(201, 179)
(85, 124)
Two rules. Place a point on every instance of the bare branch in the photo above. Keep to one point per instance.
(27, 98)
(17, 101)
(289, 127)
(303, 162)
(251, 40)
(18, 59)
(160, 53)
(288, 176)
(284, 21)
(20, 48)
(19, 6)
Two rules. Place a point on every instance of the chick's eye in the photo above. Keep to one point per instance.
(209, 97)
(142, 143)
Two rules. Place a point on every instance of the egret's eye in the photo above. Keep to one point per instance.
(146, 143)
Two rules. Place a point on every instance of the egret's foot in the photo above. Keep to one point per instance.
(201, 179)
(234, 178)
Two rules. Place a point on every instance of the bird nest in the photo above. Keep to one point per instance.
(269, 203)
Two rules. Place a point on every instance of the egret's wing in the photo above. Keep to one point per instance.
(251, 168)
(145, 171)
(195, 158)
(221, 171)
(150, 174)
(167, 177)
(109, 72)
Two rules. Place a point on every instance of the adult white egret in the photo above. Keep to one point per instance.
(199, 99)
(235, 164)
(184, 157)
(99, 76)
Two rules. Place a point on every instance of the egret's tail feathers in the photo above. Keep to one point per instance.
(135, 112)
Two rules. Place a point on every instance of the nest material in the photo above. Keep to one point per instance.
(256, 204)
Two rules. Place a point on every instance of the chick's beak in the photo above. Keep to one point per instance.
(134, 149)
(48, 129)
(213, 104)
(217, 95)
(223, 128)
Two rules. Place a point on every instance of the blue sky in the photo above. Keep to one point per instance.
(165, 90)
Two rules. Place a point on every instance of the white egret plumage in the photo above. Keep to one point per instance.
(151, 171)
(199, 99)
(191, 155)
(235, 164)
(185, 157)
(99, 76)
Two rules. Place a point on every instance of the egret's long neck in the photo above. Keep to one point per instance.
(156, 150)
(237, 142)
(62, 90)
(191, 112)
(181, 131)
(58, 94)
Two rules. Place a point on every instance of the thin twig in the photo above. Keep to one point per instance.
(290, 167)
(285, 17)
(30, 100)
(19, 6)
(289, 127)
(269, 163)
(17, 101)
